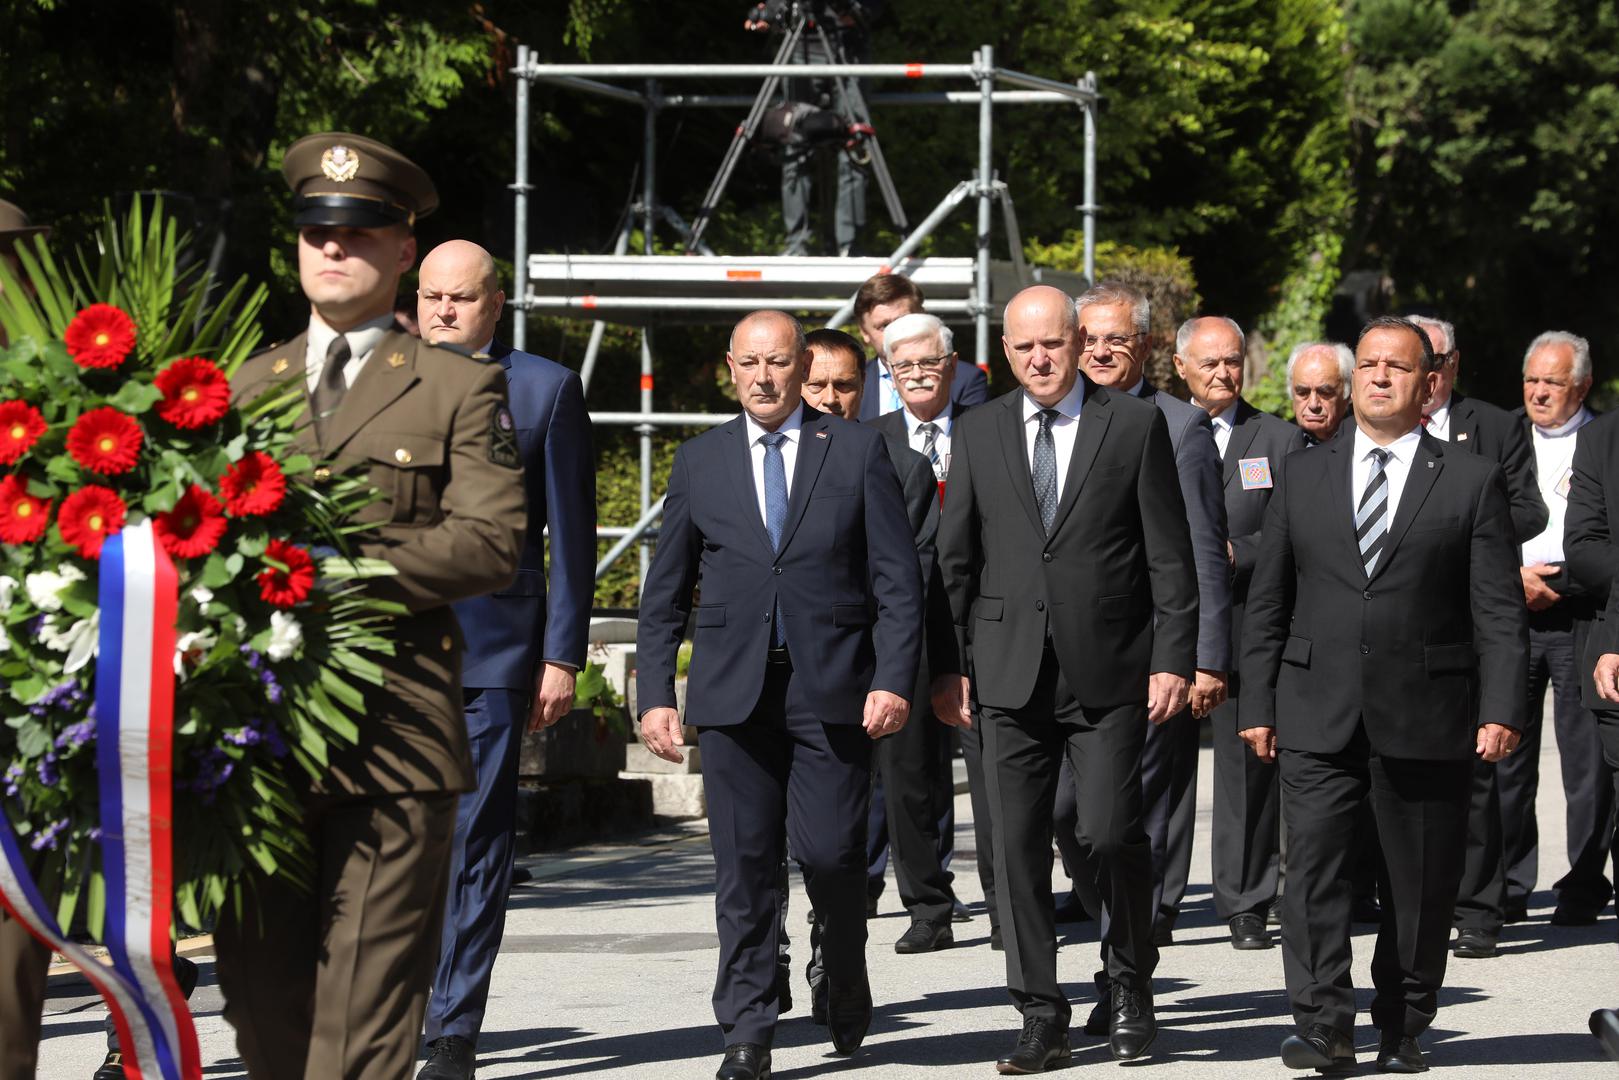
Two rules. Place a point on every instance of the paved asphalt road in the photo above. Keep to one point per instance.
(610, 956)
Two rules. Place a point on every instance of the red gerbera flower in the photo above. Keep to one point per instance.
(20, 426)
(254, 485)
(100, 336)
(193, 527)
(105, 440)
(284, 588)
(22, 517)
(195, 393)
(89, 516)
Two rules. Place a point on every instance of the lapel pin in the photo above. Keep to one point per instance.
(1430, 464)
(279, 367)
(1461, 436)
(396, 360)
(820, 435)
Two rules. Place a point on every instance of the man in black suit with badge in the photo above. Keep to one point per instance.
(1066, 556)
(1210, 354)
(792, 525)
(1384, 650)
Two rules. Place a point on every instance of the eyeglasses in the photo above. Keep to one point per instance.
(1114, 341)
(927, 363)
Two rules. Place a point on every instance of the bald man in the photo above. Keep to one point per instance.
(524, 644)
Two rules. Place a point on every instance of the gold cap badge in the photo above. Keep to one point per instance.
(339, 164)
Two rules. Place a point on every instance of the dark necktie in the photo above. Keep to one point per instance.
(930, 448)
(1372, 515)
(330, 387)
(775, 514)
(1045, 470)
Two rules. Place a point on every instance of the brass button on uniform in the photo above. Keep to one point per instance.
(402, 456)
(322, 474)
(447, 643)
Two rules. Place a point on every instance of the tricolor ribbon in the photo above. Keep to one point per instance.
(139, 594)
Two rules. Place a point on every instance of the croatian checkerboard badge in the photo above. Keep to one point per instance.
(1255, 473)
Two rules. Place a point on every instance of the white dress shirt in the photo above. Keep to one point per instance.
(941, 440)
(1064, 429)
(1554, 466)
(1222, 431)
(1439, 422)
(1402, 451)
(362, 340)
(790, 427)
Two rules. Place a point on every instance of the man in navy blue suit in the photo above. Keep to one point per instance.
(524, 644)
(881, 300)
(792, 525)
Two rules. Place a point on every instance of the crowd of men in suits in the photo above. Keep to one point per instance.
(1367, 606)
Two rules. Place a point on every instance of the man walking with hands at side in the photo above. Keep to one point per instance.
(1066, 555)
(792, 524)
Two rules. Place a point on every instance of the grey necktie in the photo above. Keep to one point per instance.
(330, 387)
(930, 447)
(1045, 470)
(1372, 515)
(775, 514)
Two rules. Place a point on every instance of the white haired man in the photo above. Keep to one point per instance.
(1319, 376)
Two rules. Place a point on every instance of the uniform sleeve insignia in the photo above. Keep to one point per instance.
(503, 438)
(396, 360)
(280, 366)
(339, 164)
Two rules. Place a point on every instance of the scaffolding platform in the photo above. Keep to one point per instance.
(642, 289)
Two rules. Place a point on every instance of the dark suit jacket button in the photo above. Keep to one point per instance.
(776, 569)
(767, 616)
(1039, 605)
(1045, 556)
(1367, 595)
(1365, 650)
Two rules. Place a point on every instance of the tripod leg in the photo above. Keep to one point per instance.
(855, 110)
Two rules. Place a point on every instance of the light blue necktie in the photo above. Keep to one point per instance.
(891, 390)
(775, 514)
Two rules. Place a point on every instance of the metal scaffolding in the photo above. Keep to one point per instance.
(650, 288)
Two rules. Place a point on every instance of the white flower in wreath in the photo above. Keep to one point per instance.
(8, 589)
(285, 636)
(202, 595)
(45, 587)
(80, 641)
(198, 641)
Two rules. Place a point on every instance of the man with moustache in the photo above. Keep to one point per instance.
(880, 300)
(1065, 553)
(1210, 355)
(335, 984)
(804, 650)
(525, 643)
(1382, 607)
(1116, 318)
(1320, 378)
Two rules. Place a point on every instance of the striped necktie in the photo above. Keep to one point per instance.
(930, 447)
(1372, 515)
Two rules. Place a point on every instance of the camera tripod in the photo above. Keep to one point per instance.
(850, 104)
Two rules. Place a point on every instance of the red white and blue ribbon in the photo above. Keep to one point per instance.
(139, 593)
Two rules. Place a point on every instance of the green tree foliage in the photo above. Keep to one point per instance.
(1483, 142)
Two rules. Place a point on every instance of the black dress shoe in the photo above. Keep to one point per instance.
(1516, 911)
(1248, 932)
(449, 1057)
(1474, 943)
(1574, 914)
(784, 988)
(112, 1068)
(1273, 914)
(925, 937)
(1100, 1020)
(1322, 1048)
(1605, 1026)
(1041, 1045)
(848, 1014)
(995, 942)
(959, 912)
(1070, 910)
(1400, 1054)
(1132, 1025)
(744, 1061)
(1365, 910)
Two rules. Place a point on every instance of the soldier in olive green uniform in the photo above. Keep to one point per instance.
(335, 985)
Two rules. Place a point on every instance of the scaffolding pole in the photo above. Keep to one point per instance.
(984, 70)
(520, 213)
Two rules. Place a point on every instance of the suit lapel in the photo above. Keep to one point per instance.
(1426, 465)
(1094, 416)
(1016, 457)
(739, 463)
(1340, 494)
(1243, 435)
(388, 373)
(814, 439)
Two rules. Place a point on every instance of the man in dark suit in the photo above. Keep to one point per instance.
(524, 644)
(881, 300)
(1605, 681)
(1320, 376)
(1116, 317)
(1210, 355)
(1383, 606)
(1065, 553)
(805, 649)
